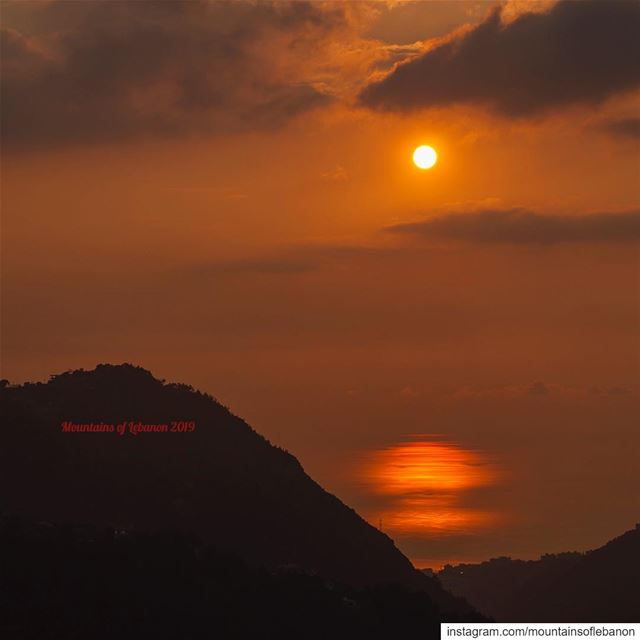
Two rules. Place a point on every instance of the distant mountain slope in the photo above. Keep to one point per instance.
(599, 586)
(223, 481)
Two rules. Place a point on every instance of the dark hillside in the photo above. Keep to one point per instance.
(598, 586)
(222, 481)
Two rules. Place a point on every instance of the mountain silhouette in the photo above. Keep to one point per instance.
(602, 585)
(60, 581)
(222, 481)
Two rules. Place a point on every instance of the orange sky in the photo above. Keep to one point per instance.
(250, 224)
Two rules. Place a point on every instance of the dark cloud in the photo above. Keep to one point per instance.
(623, 128)
(576, 52)
(104, 71)
(517, 226)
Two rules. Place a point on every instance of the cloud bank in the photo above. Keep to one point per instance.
(104, 71)
(575, 53)
(518, 226)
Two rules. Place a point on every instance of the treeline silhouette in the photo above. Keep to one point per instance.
(602, 585)
(63, 581)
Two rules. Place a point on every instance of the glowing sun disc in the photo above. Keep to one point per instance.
(424, 157)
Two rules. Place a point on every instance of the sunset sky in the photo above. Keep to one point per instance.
(224, 193)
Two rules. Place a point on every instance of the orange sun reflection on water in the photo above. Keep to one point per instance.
(425, 482)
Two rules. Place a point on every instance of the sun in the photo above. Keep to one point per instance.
(424, 157)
